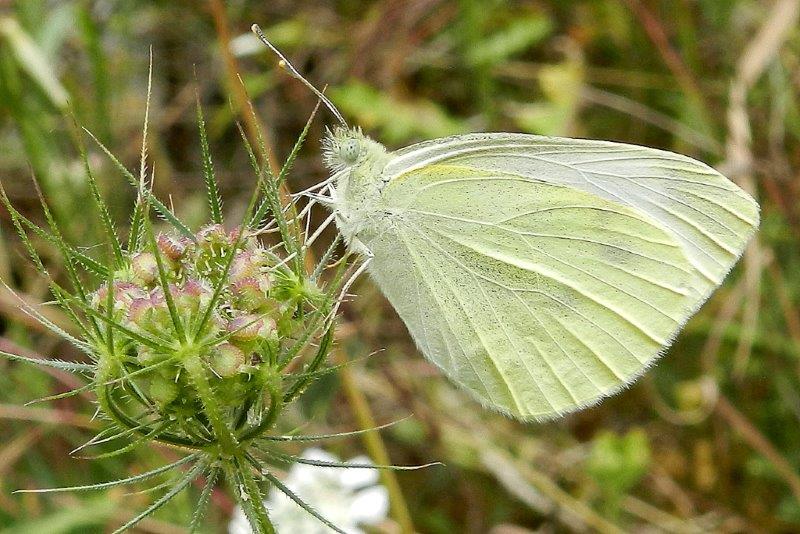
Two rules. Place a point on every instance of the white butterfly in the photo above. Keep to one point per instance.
(541, 274)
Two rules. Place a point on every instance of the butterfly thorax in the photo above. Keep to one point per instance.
(356, 163)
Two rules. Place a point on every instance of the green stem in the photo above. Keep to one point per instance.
(237, 471)
(229, 446)
(241, 481)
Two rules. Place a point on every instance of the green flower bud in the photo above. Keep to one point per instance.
(227, 359)
(144, 267)
(163, 390)
(253, 293)
(146, 356)
(293, 289)
(212, 233)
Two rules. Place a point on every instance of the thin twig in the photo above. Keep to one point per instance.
(656, 33)
(759, 442)
(754, 60)
(373, 442)
(236, 89)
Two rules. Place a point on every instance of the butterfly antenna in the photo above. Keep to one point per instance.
(288, 67)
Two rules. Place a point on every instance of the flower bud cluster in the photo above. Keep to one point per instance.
(236, 306)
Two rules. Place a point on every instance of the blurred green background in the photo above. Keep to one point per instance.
(708, 440)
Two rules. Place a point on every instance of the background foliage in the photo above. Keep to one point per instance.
(708, 440)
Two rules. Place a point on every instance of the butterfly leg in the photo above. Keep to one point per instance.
(310, 240)
(346, 287)
(315, 187)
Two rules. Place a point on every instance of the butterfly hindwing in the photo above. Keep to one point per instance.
(537, 298)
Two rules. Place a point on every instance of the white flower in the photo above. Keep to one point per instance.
(347, 497)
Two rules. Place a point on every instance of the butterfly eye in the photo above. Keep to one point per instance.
(349, 151)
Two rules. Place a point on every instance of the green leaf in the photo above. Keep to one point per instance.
(302, 504)
(31, 312)
(235, 247)
(145, 339)
(618, 463)
(66, 394)
(100, 204)
(90, 264)
(114, 483)
(321, 437)
(181, 484)
(62, 365)
(248, 496)
(345, 465)
(145, 438)
(212, 190)
(177, 323)
(162, 210)
(72, 273)
(202, 502)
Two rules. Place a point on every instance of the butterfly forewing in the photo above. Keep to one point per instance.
(707, 214)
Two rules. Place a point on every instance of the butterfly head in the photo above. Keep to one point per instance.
(345, 148)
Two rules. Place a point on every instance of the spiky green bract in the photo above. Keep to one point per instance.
(196, 338)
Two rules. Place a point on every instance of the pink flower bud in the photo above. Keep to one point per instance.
(252, 293)
(250, 327)
(227, 359)
(171, 247)
(190, 296)
(244, 265)
(99, 296)
(157, 299)
(127, 292)
(144, 267)
(138, 310)
(124, 293)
